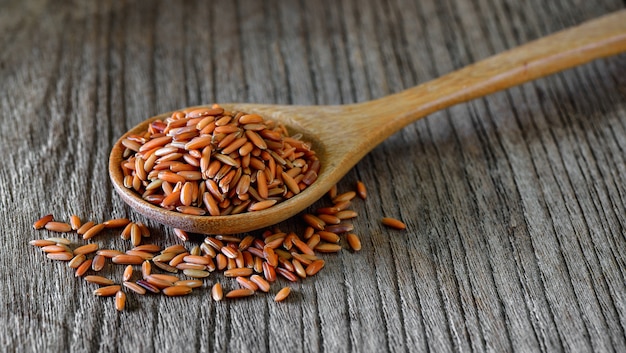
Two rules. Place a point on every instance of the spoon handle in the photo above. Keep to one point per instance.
(591, 40)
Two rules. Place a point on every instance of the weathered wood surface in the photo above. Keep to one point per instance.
(515, 203)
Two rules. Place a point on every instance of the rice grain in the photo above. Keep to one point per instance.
(41, 222)
(246, 283)
(238, 272)
(147, 286)
(41, 243)
(354, 241)
(239, 293)
(93, 231)
(282, 294)
(75, 222)
(116, 223)
(125, 259)
(176, 291)
(98, 263)
(193, 283)
(86, 249)
(99, 280)
(393, 223)
(60, 227)
(128, 273)
(82, 269)
(196, 273)
(135, 287)
(85, 227)
(60, 256)
(315, 267)
(361, 190)
(107, 291)
(120, 300)
(76, 261)
(217, 292)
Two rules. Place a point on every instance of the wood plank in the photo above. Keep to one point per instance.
(514, 203)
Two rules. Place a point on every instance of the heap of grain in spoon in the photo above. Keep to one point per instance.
(210, 161)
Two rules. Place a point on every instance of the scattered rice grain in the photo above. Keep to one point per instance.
(282, 294)
(125, 259)
(41, 222)
(75, 222)
(315, 267)
(86, 249)
(99, 280)
(60, 227)
(217, 292)
(193, 283)
(116, 223)
(60, 256)
(107, 291)
(93, 231)
(85, 227)
(135, 287)
(393, 223)
(239, 293)
(176, 291)
(128, 273)
(98, 263)
(82, 269)
(76, 261)
(361, 190)
(120, 300)
(354, 241)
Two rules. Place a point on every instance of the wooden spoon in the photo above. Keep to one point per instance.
(341, 135)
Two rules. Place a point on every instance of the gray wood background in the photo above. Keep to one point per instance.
(515, 203)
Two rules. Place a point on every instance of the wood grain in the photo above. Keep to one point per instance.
(514, 203)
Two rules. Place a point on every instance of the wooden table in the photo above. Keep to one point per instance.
(515, 203)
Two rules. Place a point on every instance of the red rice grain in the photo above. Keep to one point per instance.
(60, 256)
(146, 269)
(75, 222)
(76, 261)
(60, 227)
(246, 283)
(82, 269)
(361, 190)
(176, 291)
(217, 292)
(116, 223)
(239, 293)
(41, 222)
(120, 300)
(41, 242)
(147, 286)
(93, 231)
(193, 283)
(128, 273)
(315, 267)
(125, 259)
(261, 283)
(99, 280)
(354, 241)
(135, 287)
(84, 228)
(86, 249)
(282, 294)
(98, 263)
(58, 240)
(107, 291)
(393, 223)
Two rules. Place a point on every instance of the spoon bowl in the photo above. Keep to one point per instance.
(341, 135)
